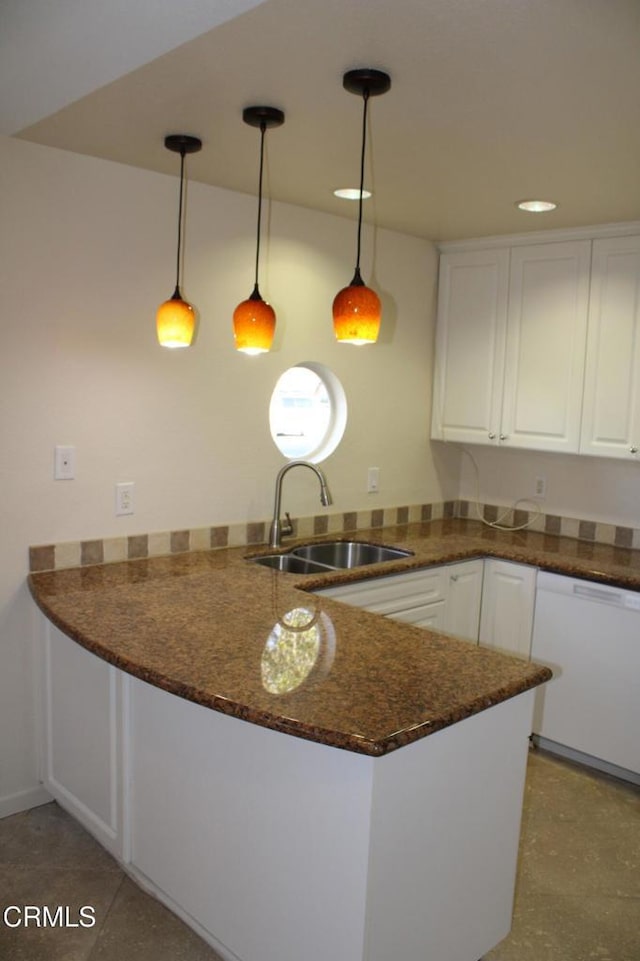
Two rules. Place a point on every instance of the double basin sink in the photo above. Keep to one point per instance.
(330, 556)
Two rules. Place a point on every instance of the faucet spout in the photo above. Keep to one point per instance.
(278, 529)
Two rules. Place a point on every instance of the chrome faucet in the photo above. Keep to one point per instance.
(278, 529)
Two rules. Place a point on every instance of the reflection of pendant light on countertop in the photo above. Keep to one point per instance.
(175, 319)
(356, 308)
(254, 321)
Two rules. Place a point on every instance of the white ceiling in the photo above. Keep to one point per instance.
(492, 101)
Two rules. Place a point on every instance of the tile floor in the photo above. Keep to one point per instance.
(578, 884)
(577, 897)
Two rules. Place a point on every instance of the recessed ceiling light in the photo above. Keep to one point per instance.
(351, 193)
(536, 206)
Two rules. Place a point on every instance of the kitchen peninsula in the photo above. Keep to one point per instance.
(371, 807)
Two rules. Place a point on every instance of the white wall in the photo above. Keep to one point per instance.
(86, 255)
(587, 488)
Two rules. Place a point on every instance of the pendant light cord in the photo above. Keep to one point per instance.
(182, 154)
(365, 97)
(263, 128)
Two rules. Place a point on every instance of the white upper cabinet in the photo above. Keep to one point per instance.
(510, 349)
(546, 342)
(611, 415)
(472, 318)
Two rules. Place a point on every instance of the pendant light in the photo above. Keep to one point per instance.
(254, 321)
(356, 308)
(176, 319)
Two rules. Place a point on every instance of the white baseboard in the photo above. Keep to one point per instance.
(23, 800)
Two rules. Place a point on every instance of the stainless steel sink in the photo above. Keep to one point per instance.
(290, 563)
(343, 554)
(329, 556)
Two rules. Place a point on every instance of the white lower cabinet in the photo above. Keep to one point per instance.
(487, 600)
(587, 633)
(464, 599)
(83, 735)
(508, 600)
(445, 598)
(275, 848)
(426, 615)
(395, 593)
(255, 838)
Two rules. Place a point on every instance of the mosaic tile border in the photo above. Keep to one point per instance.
(579, 529)
(49, 557)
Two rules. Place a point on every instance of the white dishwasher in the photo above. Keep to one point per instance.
(589, 635)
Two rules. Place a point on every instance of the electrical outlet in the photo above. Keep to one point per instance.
(541, 487)
(64, 463)
(124, 498)
(373, 480)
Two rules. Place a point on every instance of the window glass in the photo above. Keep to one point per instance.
(307, 414)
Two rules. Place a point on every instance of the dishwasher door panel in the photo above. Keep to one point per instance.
(589, 635)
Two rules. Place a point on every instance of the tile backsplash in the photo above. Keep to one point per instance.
(584, 530)
(49, 557)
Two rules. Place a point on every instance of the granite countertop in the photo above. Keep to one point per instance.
(254, 643)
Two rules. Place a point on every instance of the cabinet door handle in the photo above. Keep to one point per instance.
(454, 577)
(492, 436)
(633, 450)
(503, 436)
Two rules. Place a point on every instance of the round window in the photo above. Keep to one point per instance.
(308, 412)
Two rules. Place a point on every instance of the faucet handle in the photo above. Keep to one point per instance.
(287, 528)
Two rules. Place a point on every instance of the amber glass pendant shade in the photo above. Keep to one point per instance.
(175, 322)
(254, 324)
(254, 321)
(356, 309)
(176, 318)
(356, 314)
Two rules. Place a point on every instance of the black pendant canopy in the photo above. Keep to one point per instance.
(366, 82)
(263, 117)
(182, 143)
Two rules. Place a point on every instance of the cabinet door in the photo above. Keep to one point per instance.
(83, 737)
(508, 598)
(546, 343)
(393, 593)
(611, 416)
(464, 596)
(470, 344)
(427, 615)
(445, 598)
